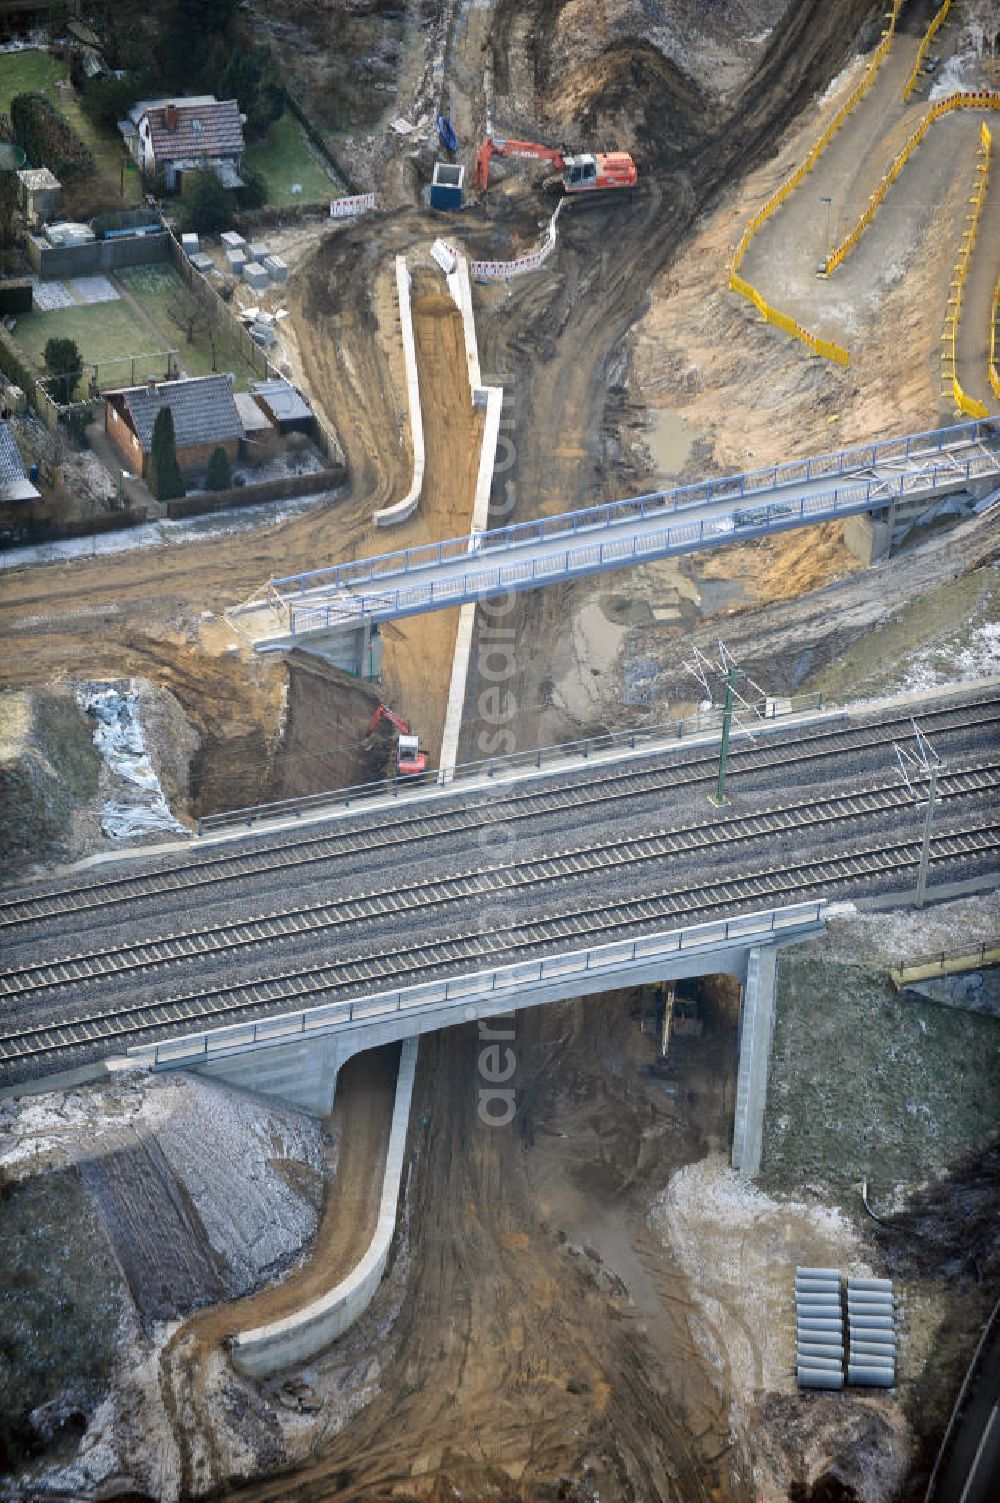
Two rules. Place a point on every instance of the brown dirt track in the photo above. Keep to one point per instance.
(543, 1335)
(361, 1119)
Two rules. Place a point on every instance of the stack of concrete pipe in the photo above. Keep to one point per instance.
(871, 1351)
(819, 1318)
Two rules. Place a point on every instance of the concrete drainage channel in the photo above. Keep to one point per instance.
(297, 1338)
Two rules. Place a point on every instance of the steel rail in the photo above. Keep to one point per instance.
(324, 981)
(602, 787)
(506, 877)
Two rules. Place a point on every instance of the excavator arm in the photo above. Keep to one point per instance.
(384, 713)
(504, 147)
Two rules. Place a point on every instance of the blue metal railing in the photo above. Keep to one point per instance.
(481, 986)
(650, 737)
(480, 583)
(734, 487)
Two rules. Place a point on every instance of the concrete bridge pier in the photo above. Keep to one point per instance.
(756, 1035)
(301, 1070)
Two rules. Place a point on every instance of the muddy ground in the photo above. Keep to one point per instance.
(553, 1332)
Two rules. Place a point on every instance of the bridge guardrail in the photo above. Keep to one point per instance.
(661, 734)
(478, 986)
(824, 347)
(913, 447)
(593, 557)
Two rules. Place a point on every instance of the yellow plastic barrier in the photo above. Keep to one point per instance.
(966, 404)
(983, 100)
(824, 347)
(995, 342)
(929, 35)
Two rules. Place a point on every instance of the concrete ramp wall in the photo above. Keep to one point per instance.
(490, 397)
(400, 511)
(300, 1337)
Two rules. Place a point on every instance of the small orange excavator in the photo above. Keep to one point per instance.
(604, 173)
(410, 760)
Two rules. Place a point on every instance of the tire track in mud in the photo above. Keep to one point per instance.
(516, 1355)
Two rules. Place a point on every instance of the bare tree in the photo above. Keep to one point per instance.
(188, 316)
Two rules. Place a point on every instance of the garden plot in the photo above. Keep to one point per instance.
(48, 296)
(75, 292)
(93, 290)
(126, 325)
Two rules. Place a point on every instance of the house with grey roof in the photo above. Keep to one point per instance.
(169, 137)
(205, 418)
(285, 405)
(14, 483)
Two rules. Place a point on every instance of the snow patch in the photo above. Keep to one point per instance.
(962, 72)
(941, 664)
(139, 807)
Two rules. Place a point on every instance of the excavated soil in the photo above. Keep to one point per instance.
(542, 1349)
(360, 1124)
(415, 666)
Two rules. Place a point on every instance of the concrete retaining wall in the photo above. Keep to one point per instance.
(300, 1337)
(490, 397)
(401, 511)
(755, 1057)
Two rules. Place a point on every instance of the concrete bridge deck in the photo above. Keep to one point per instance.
(871, 479)
(466, 880)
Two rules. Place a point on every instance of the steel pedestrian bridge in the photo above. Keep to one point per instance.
(872, 478)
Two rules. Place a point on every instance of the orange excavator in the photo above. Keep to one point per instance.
(410, 760)
(604, 173)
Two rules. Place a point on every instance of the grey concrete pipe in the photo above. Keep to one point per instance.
(816, 1377)
(871, 1377)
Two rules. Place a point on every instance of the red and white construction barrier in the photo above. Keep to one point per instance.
(350, 208)
(500, 271)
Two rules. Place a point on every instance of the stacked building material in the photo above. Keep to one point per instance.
(819, 1319)
(255, 276)
(276, 268)
(871, 1350)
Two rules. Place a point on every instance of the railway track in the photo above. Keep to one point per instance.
(328, 982)
(604, 786)
(579, 862)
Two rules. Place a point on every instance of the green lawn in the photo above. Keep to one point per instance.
(285, 158)
(159, 289)
(110, 334)
(102, 332)
(29, 72)
(35, 72)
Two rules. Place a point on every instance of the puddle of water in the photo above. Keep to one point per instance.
(720, 594)
(669, 440)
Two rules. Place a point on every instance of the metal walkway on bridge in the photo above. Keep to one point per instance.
(572, 545)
